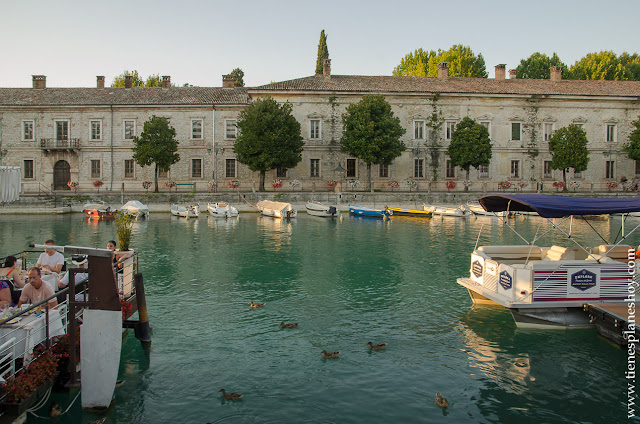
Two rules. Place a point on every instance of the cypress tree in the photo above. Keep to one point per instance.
(323, 52)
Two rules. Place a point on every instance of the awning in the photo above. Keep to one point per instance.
(549, 206)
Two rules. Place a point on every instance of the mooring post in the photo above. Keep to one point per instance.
(142, 330)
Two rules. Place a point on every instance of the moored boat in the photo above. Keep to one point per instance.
(99, 210)
(477, 209)
(460, 212)
(411, 212)
(222, 210)
(276, 209)
(190, 211)
(369, 212)
(318, 209)
(136, 209)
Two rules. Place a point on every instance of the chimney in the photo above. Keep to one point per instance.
(326, 68)
(128, 81)
(513, 74)
(500, 72)
(228, 81)
(443, 70)
(39, 81)
(166, 81)
(556, 73)
(100, 81)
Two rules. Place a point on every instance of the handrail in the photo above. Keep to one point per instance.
(49, 193)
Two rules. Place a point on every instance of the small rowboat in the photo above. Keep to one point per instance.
(369, 212)
(460, 211)
(191, 211)
(222, 210)
(410, 212)
(99, 210)
(318, 209)
(276, 209)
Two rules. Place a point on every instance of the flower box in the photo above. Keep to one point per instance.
(14, 410)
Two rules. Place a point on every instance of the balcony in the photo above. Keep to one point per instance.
(51, 144)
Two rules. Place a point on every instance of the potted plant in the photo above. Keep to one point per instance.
(124, 224)
(393, 184)
(295, 183)
(504, 185)
(146, 185)
(212, 186)
(73, 185)
(234, 184)
(97, 184)
(170, 184)
(451, 185)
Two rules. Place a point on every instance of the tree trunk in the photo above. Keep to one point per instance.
(369, 172)
(155, 178)
(467, 179)
(262, 177)
(564, 179)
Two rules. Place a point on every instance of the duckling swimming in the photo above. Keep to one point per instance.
(291, 325)
(256, 305)
(378, 346)
(441, 401)
(330, 355)
(230, 396)
(55, 410)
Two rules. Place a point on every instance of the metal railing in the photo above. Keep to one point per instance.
(57, 144)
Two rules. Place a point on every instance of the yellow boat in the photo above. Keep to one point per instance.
(410, 212)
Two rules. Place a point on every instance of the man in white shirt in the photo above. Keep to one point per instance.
(79, 261)
(50, 260)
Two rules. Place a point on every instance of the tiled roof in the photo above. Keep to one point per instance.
(123, 96)
(391, 84)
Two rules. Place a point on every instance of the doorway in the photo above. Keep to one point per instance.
(61, 175)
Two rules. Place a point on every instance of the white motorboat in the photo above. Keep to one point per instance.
(99, 210)
(190, 211)
(476, 209)
(276, 209)
(461, 211)
(136, 209)
(222, 210)
(548, 287)
(318, 209)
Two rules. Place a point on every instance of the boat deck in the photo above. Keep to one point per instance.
(613, 321)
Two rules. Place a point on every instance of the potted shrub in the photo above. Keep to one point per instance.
(97, 184)
(124, 224)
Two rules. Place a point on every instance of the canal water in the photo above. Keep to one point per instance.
(346, 282)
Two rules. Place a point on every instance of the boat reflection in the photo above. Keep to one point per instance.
(191, 223)
(275, 233)
(222, 224)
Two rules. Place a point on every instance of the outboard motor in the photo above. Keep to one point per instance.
(332, 210)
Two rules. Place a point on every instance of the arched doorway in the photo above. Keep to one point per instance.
(61, 175)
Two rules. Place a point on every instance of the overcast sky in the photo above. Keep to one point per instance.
(198, 41)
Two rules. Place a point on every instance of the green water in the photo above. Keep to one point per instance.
(347, 282)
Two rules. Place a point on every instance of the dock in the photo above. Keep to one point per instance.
(614, 321)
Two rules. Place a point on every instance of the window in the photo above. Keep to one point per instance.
(515, 169)
(383, 170)
(95, 130)
(418, 168)
(129, 168)
(314, 168)
(516, 131)
(450, 170)
(418, 130)
(28, 169)
(62, 130)
(230, 168)
(95, 168)
(196, 129)
(579, 125)
(611, 133)
(28, 131)
(314, 129)
(163, 173)
(608, 169)
(129, 130)
(577, 174)
(487, 125)
(351, 168)
(547, 171)
(230, 129)
(548, 131)
(483, 171)
(449, 127)
(196, 168)
(281, 172)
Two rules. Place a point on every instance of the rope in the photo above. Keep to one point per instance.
(44, 401)
(250, 204)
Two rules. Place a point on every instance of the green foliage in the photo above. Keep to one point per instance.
(462, 63)
(157, 144)
(633, 146)
(470, 145)
(371, 131)
(269, 137)
(119, 80)
(597, 66)
(323, 53)
(153, 81)
(238, 77)
(538, 66)
(124, 225)
(568, 148)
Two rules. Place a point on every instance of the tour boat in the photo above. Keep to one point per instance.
(461, 211)
(318, 209)
(276, 209)
(99, 210)
(136, 209)
(222, 210)
(369, 212)
(190, 211)
(410, 212)
(550, 286)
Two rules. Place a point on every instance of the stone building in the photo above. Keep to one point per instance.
(84, 134)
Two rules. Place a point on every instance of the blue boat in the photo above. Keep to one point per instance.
(370, 212)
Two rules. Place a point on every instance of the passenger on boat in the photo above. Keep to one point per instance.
(37, 290)
(111, 245)
(5, 294)
(79, 261)
(10, 271)
(50, 259)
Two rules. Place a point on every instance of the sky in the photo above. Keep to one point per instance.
(197, 41)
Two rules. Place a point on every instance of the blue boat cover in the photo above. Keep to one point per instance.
(549, 206)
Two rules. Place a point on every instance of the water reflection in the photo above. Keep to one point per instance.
(275, 233)
(222, 224)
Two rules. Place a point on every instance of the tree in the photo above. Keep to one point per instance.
(157, 144)
(323, 53)
(633, 146)
(538, 66)
(470, 145)
(462, 63)
(568, 148)
(151, 81)
(371, 132)
(269, 137)
(238, 75)
(604, 65)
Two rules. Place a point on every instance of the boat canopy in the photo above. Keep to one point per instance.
(549, 206)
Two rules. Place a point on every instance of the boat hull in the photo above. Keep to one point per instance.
(222, 210)
(411, 212)
(185, 212)
(317, 209)
(276, 209)
(100, 214)
(368, 212)
(446, 211)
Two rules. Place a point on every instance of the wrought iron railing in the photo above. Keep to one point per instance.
(56, 144)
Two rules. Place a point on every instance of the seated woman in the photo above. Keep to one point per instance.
(5, 295)
(111, 245)
(10, 271)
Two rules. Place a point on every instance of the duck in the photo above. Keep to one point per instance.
(330, 355)
(441, 401)
(378, 346)
(230, 396)
(55, 410)
(119, 383)
(291, 325)
(256, 305)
